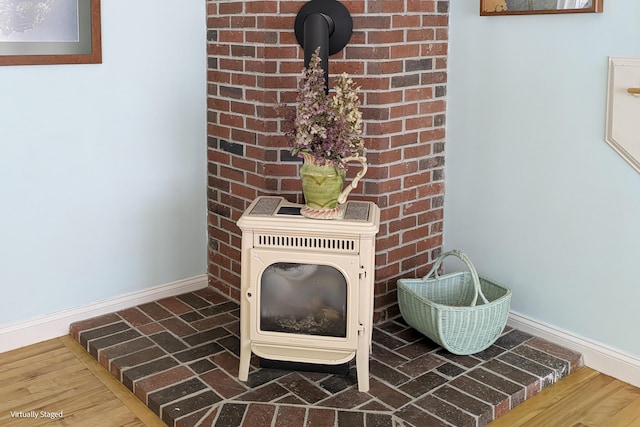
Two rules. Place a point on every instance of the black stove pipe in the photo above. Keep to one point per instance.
(317, 30)
(326, 24)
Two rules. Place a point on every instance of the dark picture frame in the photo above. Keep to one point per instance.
(86, 49)
(536, 7)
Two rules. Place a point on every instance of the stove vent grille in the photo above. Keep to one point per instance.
(321, 244)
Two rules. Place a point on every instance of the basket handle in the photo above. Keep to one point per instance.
(472, 270)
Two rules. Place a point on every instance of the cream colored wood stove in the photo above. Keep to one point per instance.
(307, 285)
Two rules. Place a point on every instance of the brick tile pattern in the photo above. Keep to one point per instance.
(188, 375)
(398, 55)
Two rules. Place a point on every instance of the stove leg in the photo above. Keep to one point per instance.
(245, 341)
(362, 361)
(245, 358)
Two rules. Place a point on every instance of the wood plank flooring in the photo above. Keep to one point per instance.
(584, 398)
(58, 380)
(58, 376)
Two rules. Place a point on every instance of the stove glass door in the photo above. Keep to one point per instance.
(307, 299)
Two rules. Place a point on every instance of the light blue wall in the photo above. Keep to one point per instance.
(103, 167)
(534, 195)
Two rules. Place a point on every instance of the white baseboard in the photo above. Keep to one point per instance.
(57, 324)
(597, 356)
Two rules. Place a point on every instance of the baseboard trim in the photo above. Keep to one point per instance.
(57, 324)
(597, 356)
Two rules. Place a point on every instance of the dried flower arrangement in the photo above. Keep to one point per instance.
(328, 128)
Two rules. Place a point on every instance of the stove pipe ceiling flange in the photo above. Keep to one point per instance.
(326, 24)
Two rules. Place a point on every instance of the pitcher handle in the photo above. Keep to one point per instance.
(363, 162)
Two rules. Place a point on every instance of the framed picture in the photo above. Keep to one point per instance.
(533, 7)
(38, 32)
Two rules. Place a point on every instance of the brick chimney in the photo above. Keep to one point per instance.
(398, 55)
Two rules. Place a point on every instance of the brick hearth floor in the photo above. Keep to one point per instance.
(180, 356)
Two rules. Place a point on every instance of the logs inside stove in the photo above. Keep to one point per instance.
(305, 299)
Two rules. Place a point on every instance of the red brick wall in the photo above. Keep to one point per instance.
(398, 54)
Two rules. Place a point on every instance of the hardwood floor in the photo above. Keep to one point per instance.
(584, 398)
(57, 379)
(58, 376)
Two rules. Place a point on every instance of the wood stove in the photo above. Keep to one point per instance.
(307, 285)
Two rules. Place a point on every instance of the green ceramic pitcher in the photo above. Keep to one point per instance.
(322, 185)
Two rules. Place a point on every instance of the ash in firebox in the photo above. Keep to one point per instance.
(304, 299)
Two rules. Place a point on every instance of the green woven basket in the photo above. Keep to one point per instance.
(462, 312)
